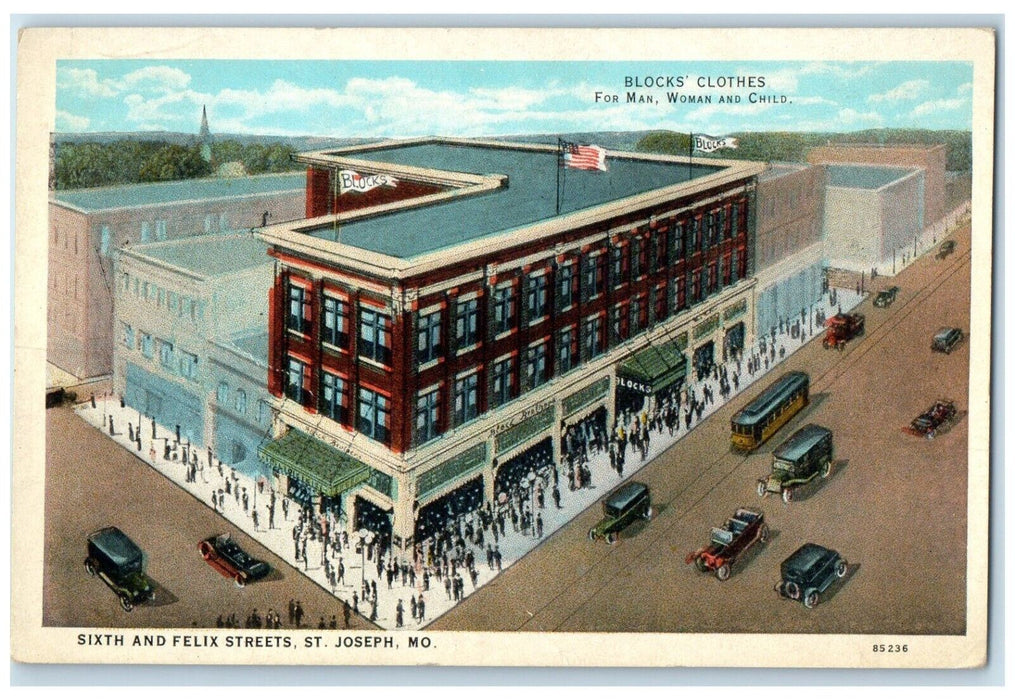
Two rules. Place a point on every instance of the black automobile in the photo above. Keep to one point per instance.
(621, 508)
(808, 573)
(946, 339)
(228, 558)
(946, 249)
(114, 558)
(885, 297)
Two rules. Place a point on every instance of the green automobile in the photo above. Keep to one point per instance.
(114, 558)
(620, 508)
(798, 461)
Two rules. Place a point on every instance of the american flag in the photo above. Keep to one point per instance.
(583, 157)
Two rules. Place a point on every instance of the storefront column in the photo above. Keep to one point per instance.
(489, 471)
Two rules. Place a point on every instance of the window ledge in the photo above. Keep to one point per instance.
(374, 363)
(467, 349)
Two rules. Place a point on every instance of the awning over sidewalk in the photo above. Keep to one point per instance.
(654, 368)
(318, 465)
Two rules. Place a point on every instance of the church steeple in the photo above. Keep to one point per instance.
(204, 139)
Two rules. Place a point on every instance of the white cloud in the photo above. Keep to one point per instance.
(850, 116)
(965, 88)
(843, 70)
(65, 121)
(945, 105)
(85, 82)
(155, 79)
(909, 90)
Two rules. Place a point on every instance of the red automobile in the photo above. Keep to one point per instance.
(229, 559)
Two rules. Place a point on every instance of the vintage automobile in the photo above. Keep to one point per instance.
(735, 537)
(620, 508)
(841, 328)
(808, 573)
(946, 339)
(940, 415)
(114, 558)
(946, 249)
(885, 297)
(229, 559)
(806, 453)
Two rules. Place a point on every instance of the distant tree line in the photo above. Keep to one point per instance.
(793, 146)
(127, 162)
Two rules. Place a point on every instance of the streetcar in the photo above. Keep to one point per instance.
(772, 409)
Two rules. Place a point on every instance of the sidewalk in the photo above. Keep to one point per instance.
(513, 545)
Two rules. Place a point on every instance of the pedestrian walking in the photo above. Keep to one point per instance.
(345, 613)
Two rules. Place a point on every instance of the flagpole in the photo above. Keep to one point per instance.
(557, 165)
(690, 153)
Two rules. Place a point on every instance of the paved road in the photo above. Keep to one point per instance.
(90, 483)
(895, 505)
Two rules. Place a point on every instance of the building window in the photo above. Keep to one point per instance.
(222, 395)
(639, 258)
(535, 366)
(639, 313)
(294, 380)
(166, 355)
(501, 383)
(374, 416)
(240, 404)
(734, 267)
(660, 302)
(223, 221)
(146, 231)
(207, 223)
(617, 267)
(662, 250)
(680, 293)
(333, 397)
(503, 309)
(566, 350)
(188, 365)
(467, 323)
(127, 335)
(375, 336)
(695, 234)
(712, 279)
(466, 399)
(565, 286)
(105, 238)
(592, 279)
(735, 220)
(621, 322)
(537, 297)
(299, 309)
(160, 230)
(428, 337)
(335, 320)
(427, 405)
(592, 334)
(677, 241)
(172, 301)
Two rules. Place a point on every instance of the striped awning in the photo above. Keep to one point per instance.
(320, 466)
(654, 368)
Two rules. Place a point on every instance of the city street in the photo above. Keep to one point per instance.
(894, 507)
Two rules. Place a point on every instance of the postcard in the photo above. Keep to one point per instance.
(503, 347)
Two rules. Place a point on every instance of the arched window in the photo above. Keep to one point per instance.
(223, 393)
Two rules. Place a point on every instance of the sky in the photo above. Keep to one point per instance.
(489, 98)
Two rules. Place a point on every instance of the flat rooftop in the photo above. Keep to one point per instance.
(206, 256)
(864, 177)
(254, 345)
(777, 170)
(162, 193)
(528, 198)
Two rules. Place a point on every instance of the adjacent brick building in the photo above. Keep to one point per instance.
(86, 226)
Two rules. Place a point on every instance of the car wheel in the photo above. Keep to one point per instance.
(611, 537)
(811, 599)
(762, 489)
(826, 469)
(125, 602)
(787, 495)
(723, 572)
(841, 568)
(90, 567)
(763, 534)
(791, 589)
(700, 564)
(239, 580)
(205, 549)
(648, 513)
(592, 534)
